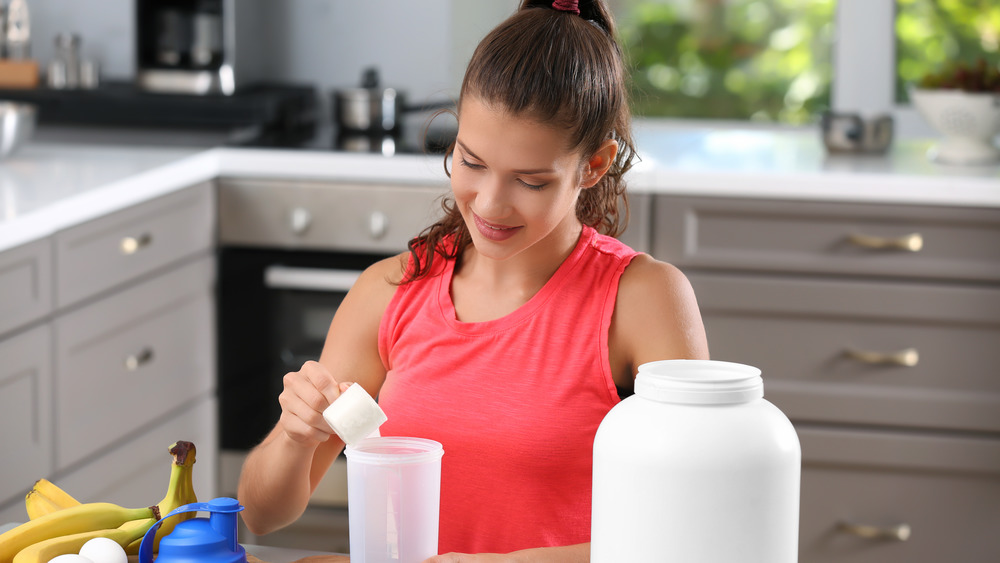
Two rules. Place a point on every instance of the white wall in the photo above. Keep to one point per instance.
(421, 46)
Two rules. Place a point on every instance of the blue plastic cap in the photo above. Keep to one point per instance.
(199, 540)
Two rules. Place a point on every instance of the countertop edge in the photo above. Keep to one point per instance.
(963, 190)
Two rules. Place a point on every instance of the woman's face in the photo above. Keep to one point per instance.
(514, 181)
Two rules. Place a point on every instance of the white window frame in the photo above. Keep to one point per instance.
(864, 65)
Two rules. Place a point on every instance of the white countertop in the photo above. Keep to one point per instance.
(47, 187)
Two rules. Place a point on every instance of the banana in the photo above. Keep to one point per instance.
(180, 491)
(72, 520)
(45, 497)
(43, 551)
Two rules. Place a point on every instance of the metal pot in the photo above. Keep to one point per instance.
(374, 110)
(370, 108)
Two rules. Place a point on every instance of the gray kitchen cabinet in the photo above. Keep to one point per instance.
(26, 404)
(102, 254)
(125, 362)
(115, 353)
(876, 329)
(25, 284)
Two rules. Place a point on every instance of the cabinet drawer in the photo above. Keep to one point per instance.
(135, 471)
(946, 490)
(808, 335)
(124, 361)
(25, 284)
(350, 217)
(26, 411)
(106, 252)
(760, 235)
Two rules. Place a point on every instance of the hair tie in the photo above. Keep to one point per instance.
(567, 6)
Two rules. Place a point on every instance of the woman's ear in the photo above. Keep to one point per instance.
(599, 163)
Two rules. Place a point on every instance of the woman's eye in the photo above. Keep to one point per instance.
(531, 186)
(471, 165)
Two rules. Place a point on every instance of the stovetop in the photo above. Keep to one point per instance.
(264, 115)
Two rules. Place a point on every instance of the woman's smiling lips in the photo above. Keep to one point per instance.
(492, 231)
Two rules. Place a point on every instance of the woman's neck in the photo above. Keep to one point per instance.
(485, 289)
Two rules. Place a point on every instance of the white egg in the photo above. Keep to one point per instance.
(70, 558)
(103, 550)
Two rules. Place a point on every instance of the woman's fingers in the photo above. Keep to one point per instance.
(305, 395)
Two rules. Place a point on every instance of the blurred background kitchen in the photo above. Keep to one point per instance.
(761, 61)
(786, 169)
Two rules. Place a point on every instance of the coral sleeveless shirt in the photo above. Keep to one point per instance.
(515, 401)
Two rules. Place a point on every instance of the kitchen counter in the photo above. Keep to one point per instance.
(267, 554)
(47, 187)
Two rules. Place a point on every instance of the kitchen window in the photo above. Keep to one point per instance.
(786, 61)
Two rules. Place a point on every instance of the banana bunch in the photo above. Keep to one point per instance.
(39, 537)
(60, 524)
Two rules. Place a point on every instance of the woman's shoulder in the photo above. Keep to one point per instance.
(378, 282)
(645, 273)
(658, 311)
(386, 272)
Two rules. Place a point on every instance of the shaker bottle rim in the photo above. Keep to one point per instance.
(394, 450)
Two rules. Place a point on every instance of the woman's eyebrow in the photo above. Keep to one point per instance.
(465, 149)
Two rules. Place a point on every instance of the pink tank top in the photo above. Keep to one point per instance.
(515, 401)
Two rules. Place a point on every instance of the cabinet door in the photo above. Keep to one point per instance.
(837, 238)
(943, 490)
(854, 352)
(135, 471)
(96, 256)
(25, 411)
(127, 360)
(25, 284)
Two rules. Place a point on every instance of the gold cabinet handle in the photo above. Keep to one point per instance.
(912, 242)
(131, 245)
(908, 357)
(899, 532)
(135, 361)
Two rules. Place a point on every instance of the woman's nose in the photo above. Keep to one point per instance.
(492, 198)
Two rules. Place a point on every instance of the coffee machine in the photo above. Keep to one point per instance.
(199, 46)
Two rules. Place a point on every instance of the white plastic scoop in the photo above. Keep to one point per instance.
(354, 415)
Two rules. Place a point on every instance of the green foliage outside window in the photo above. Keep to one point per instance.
(935, 36)
(765, 60)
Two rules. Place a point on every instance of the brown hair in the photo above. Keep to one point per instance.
(559, 68)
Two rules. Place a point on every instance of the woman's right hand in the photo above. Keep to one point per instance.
(306, 394)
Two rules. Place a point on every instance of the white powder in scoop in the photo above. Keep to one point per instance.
(354, 415)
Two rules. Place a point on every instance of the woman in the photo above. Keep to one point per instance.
(512, 325)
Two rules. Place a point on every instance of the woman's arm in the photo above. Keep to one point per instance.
(281, 473)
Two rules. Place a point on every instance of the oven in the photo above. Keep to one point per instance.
(288, 253)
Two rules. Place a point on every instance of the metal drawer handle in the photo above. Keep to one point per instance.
(135, 361)
(908, 357)
(899, 532)
(912, 242)
(131, 245)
